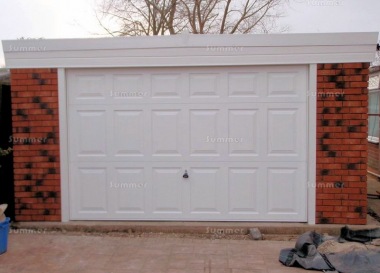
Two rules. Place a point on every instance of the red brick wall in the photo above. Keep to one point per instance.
(36, 144)
(342, 143)
(373, 157)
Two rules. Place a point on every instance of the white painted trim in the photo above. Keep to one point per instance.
(372, 139)
(191, 50)
(63, 144)
(180, 61)
(374, 174)
(190, 40)
(312, 147)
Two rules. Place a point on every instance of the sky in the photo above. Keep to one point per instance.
(76, 18)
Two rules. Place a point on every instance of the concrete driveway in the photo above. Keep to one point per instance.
(45, 252)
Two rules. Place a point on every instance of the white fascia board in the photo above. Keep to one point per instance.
(191, 50)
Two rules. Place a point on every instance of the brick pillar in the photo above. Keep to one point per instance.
(342, 143)
(36, 144)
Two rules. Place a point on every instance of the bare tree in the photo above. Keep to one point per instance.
(161, 17)
(137, 17)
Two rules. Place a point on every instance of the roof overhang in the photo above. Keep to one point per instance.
(191, 50)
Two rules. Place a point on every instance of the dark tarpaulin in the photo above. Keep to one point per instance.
(361, 236)
(289, 257)
(306, 254)
(356, 261)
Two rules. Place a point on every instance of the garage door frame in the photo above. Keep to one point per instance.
(311, 144)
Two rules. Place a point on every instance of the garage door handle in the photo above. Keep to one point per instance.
(185, 175)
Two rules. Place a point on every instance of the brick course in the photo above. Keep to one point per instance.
(36, 144)
(342, 102)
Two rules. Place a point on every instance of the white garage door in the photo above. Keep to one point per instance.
(239, 135)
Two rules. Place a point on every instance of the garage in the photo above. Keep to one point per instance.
(269, 128)
(239, 135)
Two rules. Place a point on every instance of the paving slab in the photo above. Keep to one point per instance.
(78, 253)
